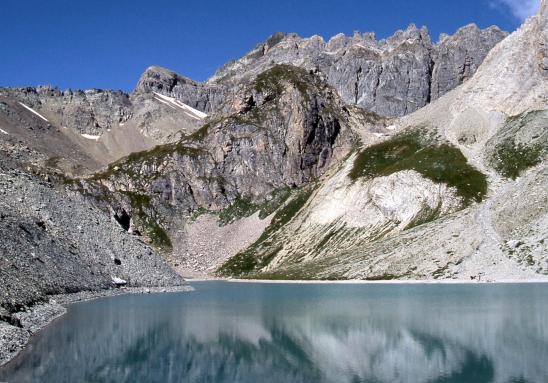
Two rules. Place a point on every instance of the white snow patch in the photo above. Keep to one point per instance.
(172, 102)
(33, 111)
(164, 102)
(391, 127)
(3, 131)
(90, 136)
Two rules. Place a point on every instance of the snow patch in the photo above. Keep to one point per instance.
(3, 131)
(33, 111)
(174, 103)
(165, 102)
(90, 136)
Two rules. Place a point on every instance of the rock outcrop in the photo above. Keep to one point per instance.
(286, 128)
(56, 242)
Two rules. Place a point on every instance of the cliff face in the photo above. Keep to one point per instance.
(285, 129)
(391, 77)
(202, 96)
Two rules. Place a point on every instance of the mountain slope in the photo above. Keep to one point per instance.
(434, 199)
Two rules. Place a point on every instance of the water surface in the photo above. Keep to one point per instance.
(251, 332)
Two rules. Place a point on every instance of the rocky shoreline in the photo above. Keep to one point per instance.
(17, 329)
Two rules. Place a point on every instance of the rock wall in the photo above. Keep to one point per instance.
(391, 77)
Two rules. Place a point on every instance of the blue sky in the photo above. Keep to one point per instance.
(108, 43)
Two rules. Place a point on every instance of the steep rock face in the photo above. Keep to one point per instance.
(456, 58)
(92, 128)
(391, 77)
(91, 112)
(285, 129)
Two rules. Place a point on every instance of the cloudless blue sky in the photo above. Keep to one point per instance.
(108, 43)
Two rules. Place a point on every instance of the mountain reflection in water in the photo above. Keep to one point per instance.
(250, 332)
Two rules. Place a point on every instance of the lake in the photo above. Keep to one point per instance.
(259, 332)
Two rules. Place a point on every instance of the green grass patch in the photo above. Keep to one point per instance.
(441, 163)
(160, 152)
(128, 165)
(244, 207)
(138, 201)
(510, 159)
(201, 133)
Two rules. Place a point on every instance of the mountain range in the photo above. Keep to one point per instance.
(354, 158)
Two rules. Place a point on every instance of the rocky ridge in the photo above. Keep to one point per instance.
(391, 77)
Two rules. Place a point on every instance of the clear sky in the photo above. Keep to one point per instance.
(108, 43)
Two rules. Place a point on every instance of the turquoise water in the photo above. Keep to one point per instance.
(250, 332)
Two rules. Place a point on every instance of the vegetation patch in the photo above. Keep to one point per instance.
(441, 163)
(520, 144)
(142, 209)
(244, 207)
(160, 152)
(260, 253)
(510, 159)
(271, 80)
(155, 156)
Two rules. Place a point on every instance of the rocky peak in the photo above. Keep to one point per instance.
(392, 77)
(456, 58)
(273, 40)
(203, 97)
(283, 131)
(410, 35)
(161, 80)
